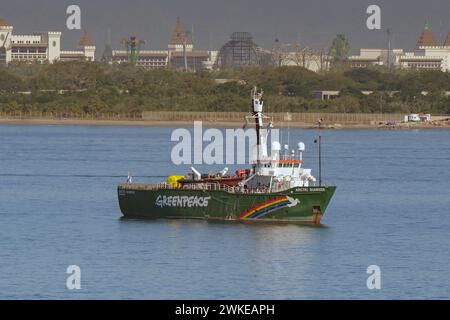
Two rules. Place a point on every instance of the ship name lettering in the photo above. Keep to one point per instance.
(182, 201)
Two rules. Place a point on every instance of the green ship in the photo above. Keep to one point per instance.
(275, 189)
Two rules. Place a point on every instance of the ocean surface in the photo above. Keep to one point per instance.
(58, 207)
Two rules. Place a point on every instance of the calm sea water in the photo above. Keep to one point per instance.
(58, 207)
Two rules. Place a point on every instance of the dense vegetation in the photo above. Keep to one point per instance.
(99, 88)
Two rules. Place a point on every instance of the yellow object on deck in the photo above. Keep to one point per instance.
(173, 180)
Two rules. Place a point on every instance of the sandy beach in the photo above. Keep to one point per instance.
(217, 124)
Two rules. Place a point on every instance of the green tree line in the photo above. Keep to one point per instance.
(89, 87)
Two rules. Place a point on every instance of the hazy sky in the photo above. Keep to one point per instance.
(313, 22)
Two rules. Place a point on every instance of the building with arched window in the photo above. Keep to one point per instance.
(40, 47)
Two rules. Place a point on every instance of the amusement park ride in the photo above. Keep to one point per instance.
(133, 47)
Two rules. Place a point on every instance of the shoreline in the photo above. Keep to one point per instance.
(210, 124)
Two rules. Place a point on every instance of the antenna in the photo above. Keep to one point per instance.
(319, 141)
(210, 40)
(288, 131)
(288, 118)
(389, 33)
(194, 59)
(108, 37)
(185, 43)
(320, 159)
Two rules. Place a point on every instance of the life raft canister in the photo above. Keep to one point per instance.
(173, 180)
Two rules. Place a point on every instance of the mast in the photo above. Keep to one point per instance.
(320, 160)
(319, 141)
(257, 103)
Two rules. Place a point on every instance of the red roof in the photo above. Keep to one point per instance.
(179, 35)
(86, 40)
(4, 23)
(427, 38)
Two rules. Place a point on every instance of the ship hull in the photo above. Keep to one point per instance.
(297, 205)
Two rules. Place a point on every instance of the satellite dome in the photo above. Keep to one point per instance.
(301, 146)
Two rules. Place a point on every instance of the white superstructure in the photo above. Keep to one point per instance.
(276, 171)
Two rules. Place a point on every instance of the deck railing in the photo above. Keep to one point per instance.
(197, 186)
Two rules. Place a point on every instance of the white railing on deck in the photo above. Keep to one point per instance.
(194, 186)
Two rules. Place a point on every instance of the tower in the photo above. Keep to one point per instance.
(427, 38)
(107, 52)
(53, 45)
(86, 44)
(180, 40)
(5, 41)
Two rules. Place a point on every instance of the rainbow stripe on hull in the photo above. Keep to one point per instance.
(267, 207)
(297, 205)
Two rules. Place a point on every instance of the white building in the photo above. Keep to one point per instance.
(376, 57)
(428, 55)
(180, 52)
(149, 59)
(40, 47)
